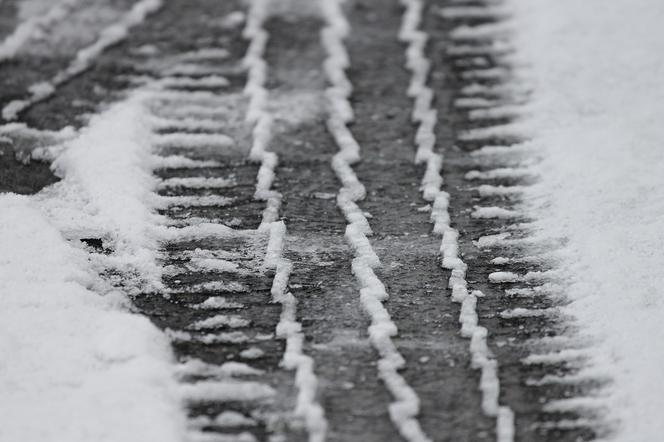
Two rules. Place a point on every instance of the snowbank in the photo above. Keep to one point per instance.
(76, 367)
(597, 70)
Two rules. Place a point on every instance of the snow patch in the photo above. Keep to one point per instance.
(89, 369)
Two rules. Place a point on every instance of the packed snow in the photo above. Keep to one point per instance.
(596, 68)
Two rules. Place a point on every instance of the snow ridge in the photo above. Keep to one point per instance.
(288, 327)
(425, 116)
(257, 115)
(405, 408)
(84, 58)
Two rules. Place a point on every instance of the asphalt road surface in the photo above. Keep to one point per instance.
(219, 303)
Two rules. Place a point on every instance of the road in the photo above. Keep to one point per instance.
(307, 289)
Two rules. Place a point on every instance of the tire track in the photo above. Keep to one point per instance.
(405, 406)
(215, 285)
(355, 401)
(218, 281)
(489, 169)
(288, 327)
(84, 58)
(425, 116)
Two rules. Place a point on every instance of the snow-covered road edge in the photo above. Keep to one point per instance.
(596, 70)
(83, 367)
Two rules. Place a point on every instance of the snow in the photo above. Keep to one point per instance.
(487, 190)
(212, 287)
(192, 201)
(210, 81)
(197, 183)
(226, 390)
(107, 191)
(596, 68)
(219, 321)
(235, 337)
(81, 367)
(476, 12)
(233, 419)
(218, 303)
(180, 162)
(494, 212)
(196, 367)
(500, 173)
(192, 141)
(205, 436)
(226, 419)
(81, 363)
(252, 353)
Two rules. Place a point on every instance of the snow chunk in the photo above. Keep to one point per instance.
(219, 321)
(494, 212)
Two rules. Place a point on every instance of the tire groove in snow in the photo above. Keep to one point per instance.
(217, 283)
(518, 288)
(206, 272)
(425, 116)
(405, 407)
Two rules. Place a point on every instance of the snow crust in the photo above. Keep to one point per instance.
(596, 70)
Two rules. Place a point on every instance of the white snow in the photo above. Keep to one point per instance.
(192, 141)
(197, 183)
(252, 353)
(494, 212)
(211, 287)
(235, 337)
(218, 303)
(77, 365)
(226, 390)
(196, 367)
(219, 321)
(82, 367)
(596, 69)
(226, 419)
